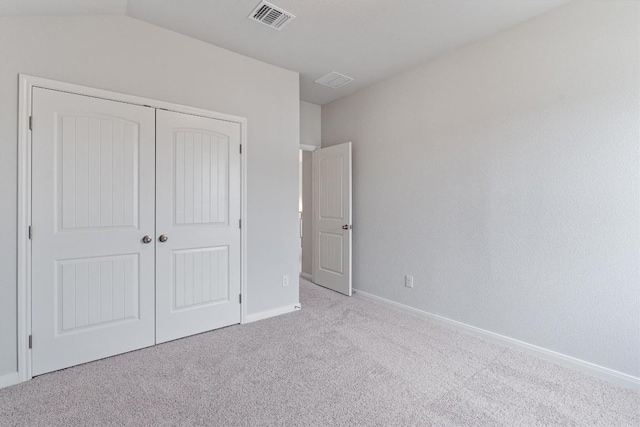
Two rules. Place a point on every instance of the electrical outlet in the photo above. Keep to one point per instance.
(285, 281)
(408, 281)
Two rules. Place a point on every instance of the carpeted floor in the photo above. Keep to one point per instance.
(339, 361)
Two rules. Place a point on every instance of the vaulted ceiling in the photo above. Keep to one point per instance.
(364, 39)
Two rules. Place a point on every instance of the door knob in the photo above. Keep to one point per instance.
(163, 238)
(345, 227)
(146, 239)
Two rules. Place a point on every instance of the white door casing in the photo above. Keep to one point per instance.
(93, 191)
(198, 209)
(332, 226)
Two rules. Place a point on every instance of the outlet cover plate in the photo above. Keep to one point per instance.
(408, 281)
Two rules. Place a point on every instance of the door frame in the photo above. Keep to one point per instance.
(307, 276)
(26, 85)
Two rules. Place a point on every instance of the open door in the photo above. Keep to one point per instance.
(332, 217)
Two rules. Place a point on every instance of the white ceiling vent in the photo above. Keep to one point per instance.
(334, 80)
(271, 16)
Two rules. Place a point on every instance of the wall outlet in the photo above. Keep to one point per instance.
(285, 281)
(408, 281)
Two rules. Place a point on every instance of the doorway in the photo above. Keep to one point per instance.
(306, 213)
(326, 227)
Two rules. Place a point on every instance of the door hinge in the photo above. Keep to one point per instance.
(30, 341)
(240, 298)
(239, 223)
(30, 232)
(240, 148)
(30, 122)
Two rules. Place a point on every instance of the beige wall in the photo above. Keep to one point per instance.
(125, 55)
(505, 177)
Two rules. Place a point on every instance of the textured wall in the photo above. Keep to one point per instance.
(125, 55)
(505, 177)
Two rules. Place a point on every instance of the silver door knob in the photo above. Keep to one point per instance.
(163, 238)
(147, 239)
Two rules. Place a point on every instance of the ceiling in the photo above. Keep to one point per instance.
(364, 39)
(62, 7)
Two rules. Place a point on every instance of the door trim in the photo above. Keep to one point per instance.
(307, 147)
(26, 85)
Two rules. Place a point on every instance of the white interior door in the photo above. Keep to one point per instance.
(93, 192)
(332, 217)
(198, 211)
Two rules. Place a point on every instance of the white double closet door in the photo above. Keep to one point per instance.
(110, 181)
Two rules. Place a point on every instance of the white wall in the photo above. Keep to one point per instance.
(125, 55)
(505, 177)
(310, 134)
(310, 123)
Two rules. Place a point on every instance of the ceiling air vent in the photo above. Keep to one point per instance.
(334, 80)
(271, 16)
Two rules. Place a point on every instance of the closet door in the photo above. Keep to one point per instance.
(93, 219)
(197, 224)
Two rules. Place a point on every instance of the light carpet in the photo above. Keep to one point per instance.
(339, 361)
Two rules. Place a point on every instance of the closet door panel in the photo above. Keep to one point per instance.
(198, 210)
(93, 188)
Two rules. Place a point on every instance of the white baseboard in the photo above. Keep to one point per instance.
(9, 379)
(272, 313)
(307, 276)
(610, 375)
